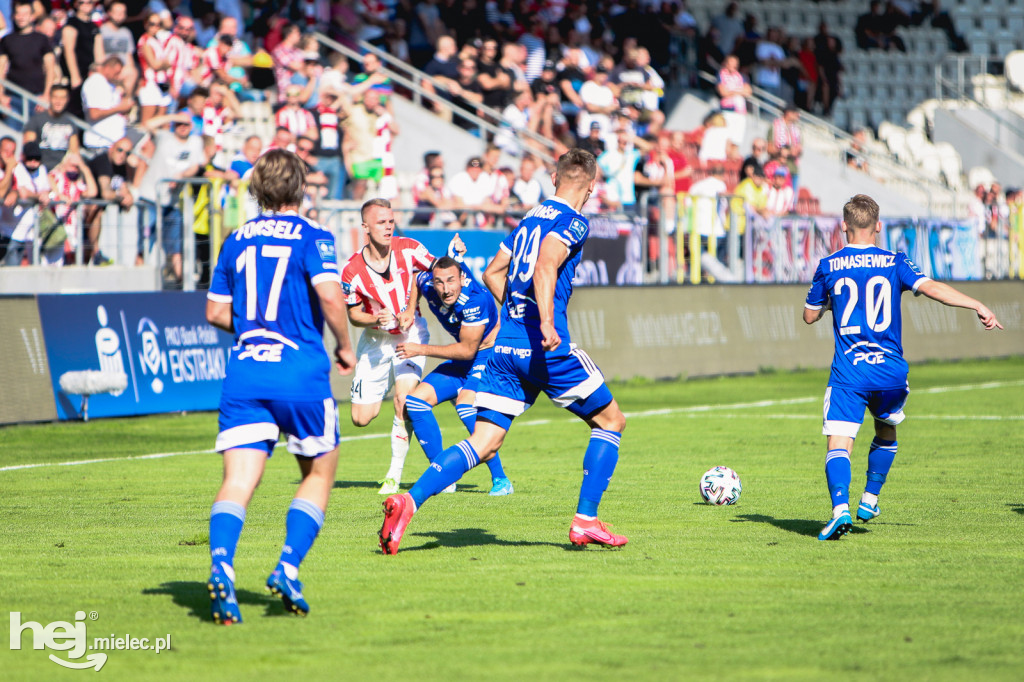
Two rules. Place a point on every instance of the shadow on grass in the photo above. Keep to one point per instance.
(472, 537)
(1017, 507)
(195, 597)
(798, 526)
(463, 487)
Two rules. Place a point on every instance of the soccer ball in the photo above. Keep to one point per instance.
(720, 485)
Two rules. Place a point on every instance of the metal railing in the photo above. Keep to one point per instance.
(1005, 131)
(546, 146)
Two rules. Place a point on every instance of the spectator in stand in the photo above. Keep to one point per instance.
(216, 63)
(728, 27)
(856, 155)
(189, 70)
(288, 57)
(831, 69)
(113, 177)
(437, 202)
(733, 90)
(219, 112)
(545, 92)
(26, 60)
(31, 183)
(443, 67)
(329, 113)
(472, 188)
(305, 148)
(714, 145)
(71, 181)
(759, 156)
(593, 142)
(53, 128)
(174, 155)
(654, 179)
(495, 80)
(771, 59)
(808, 85)
(82, 46)
(638, 86)
(570, 78)
(533, 42)
(876, 30)
(119, 41)
(240, 58)
(780, 194)
(157, 65)
(599, 101)
(466, 95)
(754, 191)
(385, 130)
(527, 188)
(618, 166)
(704, 195)
(360, 128)
(682, 171)
(785, 135)
(104, 106)
(247, 156)
(522, 115)
(373, 78)
(294, 117)
(432, 161)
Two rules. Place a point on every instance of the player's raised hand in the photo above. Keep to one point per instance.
(345, 358)
(988, 318)
(408, 350)
(456, 247)
(551, 340)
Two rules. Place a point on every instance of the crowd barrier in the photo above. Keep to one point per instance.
(175, 361)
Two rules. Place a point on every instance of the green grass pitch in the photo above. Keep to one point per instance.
(489, 588)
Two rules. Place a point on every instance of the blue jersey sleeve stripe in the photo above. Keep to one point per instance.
(325, 277)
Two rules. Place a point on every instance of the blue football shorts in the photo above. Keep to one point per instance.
(844, 408)
(454, 376)
(311, 425)
(516, 376)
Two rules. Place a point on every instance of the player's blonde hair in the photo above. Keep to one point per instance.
(575, 167)
(380, 203)
(860, 212)
(278, 180)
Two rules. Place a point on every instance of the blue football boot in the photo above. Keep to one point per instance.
(223, 602)
(837, 527)
(290, 591)
(866, 512)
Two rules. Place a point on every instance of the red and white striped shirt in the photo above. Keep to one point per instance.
(297, 120)
(166, 47)
(733, 80)
(382, 143)
(330, 138)
(215, 121)
(374, 291)
(189, 56)
(784, 134)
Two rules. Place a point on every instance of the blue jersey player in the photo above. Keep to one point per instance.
(862, 285)
(275, 284)
(532, 275)
(466, 311)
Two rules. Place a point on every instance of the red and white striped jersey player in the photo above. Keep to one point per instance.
(380, 282)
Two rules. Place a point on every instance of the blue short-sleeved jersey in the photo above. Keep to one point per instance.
(267, 270)
(520, 318)
(475, 306)
(864, 285)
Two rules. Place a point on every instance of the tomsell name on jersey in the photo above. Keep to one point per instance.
(267, 270)
(864, 285)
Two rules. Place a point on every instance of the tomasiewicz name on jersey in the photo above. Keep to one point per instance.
(862, 260)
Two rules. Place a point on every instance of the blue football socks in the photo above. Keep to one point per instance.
(467, 413)
(880, 458)
(301, 528)
(424, 424)
(445, 469)
(226, 521)
(837, 475)
(598, 466)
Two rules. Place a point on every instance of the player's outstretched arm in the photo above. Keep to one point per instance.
(360, 318)
(553, 253)
(219, 315)
(332, 304)
(943, 293)
(465, 350)
(495, 274)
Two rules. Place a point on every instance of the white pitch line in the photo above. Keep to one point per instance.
(692, 410)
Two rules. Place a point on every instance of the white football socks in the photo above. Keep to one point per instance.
(839, 510)
(868, 498)
(400, 433)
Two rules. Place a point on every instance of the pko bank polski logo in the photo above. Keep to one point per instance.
(72, 638)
